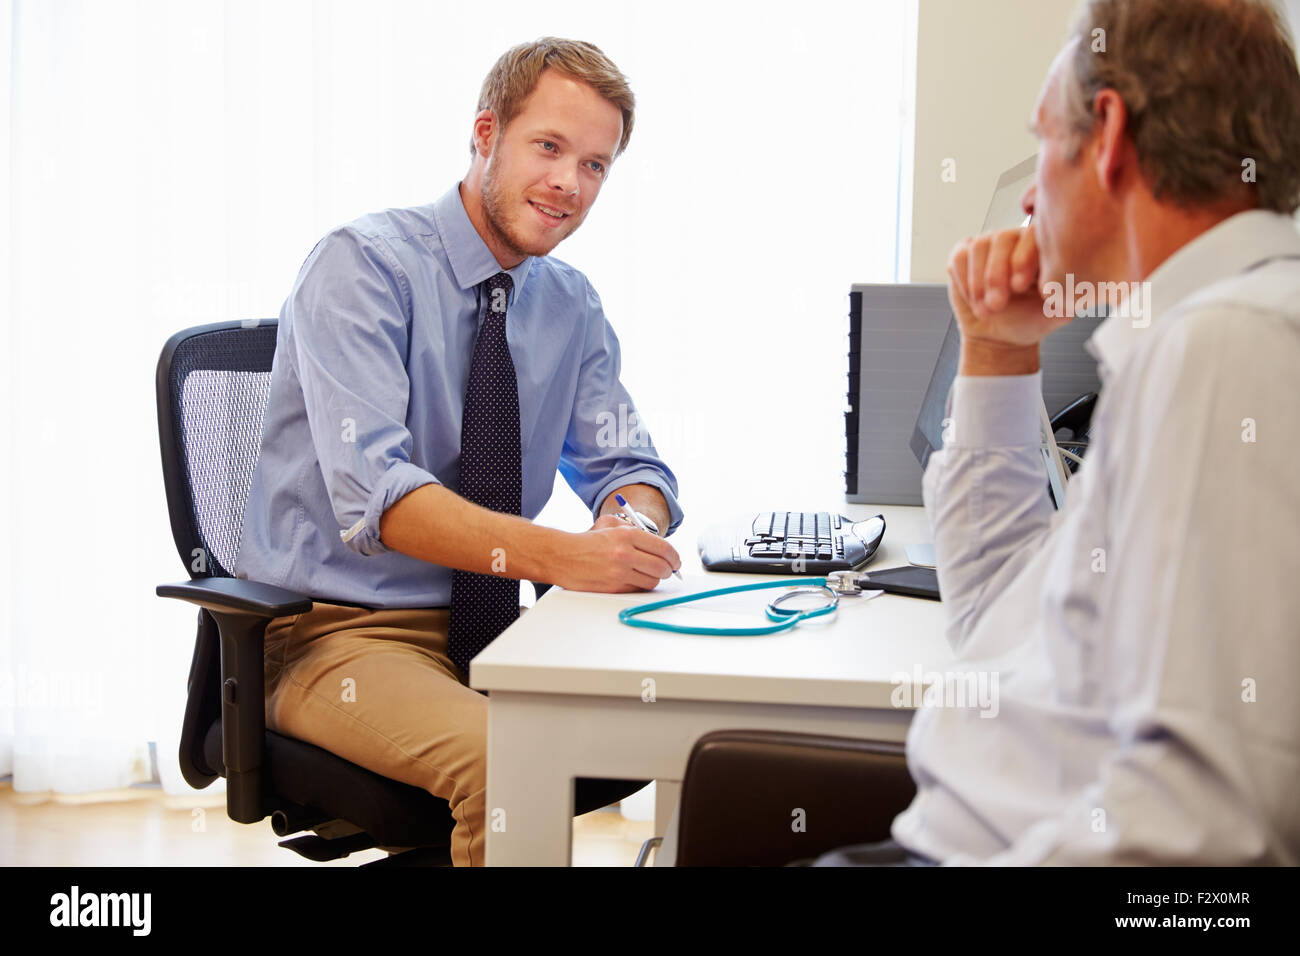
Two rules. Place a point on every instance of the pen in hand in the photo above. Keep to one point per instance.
(636, 520)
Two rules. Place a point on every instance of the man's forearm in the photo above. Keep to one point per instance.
(437, 525)
(985, 494)
(646, 499)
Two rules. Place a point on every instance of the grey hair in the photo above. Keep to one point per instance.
(1211, 88)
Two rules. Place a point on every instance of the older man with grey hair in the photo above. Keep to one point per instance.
(1147, 635)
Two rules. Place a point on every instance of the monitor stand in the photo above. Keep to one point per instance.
(921, 555)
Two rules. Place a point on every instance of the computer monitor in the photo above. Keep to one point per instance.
(1068, 370)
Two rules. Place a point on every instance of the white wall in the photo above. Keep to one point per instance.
(979, 68)
(978, 71)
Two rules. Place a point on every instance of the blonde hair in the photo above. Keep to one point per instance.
(1208, 85)
(514, 77)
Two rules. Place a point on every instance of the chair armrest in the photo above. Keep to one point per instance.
(765, 798)
(240, 610)
(237, 596)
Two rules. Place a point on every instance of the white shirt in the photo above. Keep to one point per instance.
(1145, 640)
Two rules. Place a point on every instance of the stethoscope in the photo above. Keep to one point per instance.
(831, 587)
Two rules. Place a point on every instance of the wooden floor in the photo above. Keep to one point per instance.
(142, 826)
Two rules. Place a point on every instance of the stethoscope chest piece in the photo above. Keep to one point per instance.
(775, 612)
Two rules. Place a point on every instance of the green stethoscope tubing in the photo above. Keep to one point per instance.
(785, 618)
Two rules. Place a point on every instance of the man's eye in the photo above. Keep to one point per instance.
(548, 146)
(596, 167)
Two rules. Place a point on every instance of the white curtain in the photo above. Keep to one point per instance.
(172, 163)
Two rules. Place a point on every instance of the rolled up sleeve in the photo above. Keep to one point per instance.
(607, 445)
(349, 334)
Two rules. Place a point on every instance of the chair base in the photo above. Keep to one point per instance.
(318, 849)
(439, 856)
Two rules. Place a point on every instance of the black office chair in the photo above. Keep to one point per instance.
(213, 383)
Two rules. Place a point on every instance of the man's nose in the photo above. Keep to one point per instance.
(564, 178)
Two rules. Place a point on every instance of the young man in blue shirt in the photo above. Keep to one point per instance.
(433, 369)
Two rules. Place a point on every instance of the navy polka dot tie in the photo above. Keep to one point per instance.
(491, 465)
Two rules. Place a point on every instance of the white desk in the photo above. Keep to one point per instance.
(575, 693)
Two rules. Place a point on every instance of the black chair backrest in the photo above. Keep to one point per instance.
(213, 384)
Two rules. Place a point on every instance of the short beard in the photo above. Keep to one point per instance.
(495, 216)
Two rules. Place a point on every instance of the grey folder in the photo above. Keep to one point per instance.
(895, 332)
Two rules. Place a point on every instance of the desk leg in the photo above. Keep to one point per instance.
(667, 793)
(529, 792)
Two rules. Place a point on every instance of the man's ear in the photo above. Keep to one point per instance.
(1112, 137)
(486, 130)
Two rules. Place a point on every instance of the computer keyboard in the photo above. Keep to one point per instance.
(793, 542)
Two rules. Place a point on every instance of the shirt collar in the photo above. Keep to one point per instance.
(1225, 250)
(471, 260)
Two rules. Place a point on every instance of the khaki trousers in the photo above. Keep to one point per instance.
(376, 688)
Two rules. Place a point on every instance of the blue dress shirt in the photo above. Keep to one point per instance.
(368, 385)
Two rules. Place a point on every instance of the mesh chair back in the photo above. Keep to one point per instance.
(213, 384)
